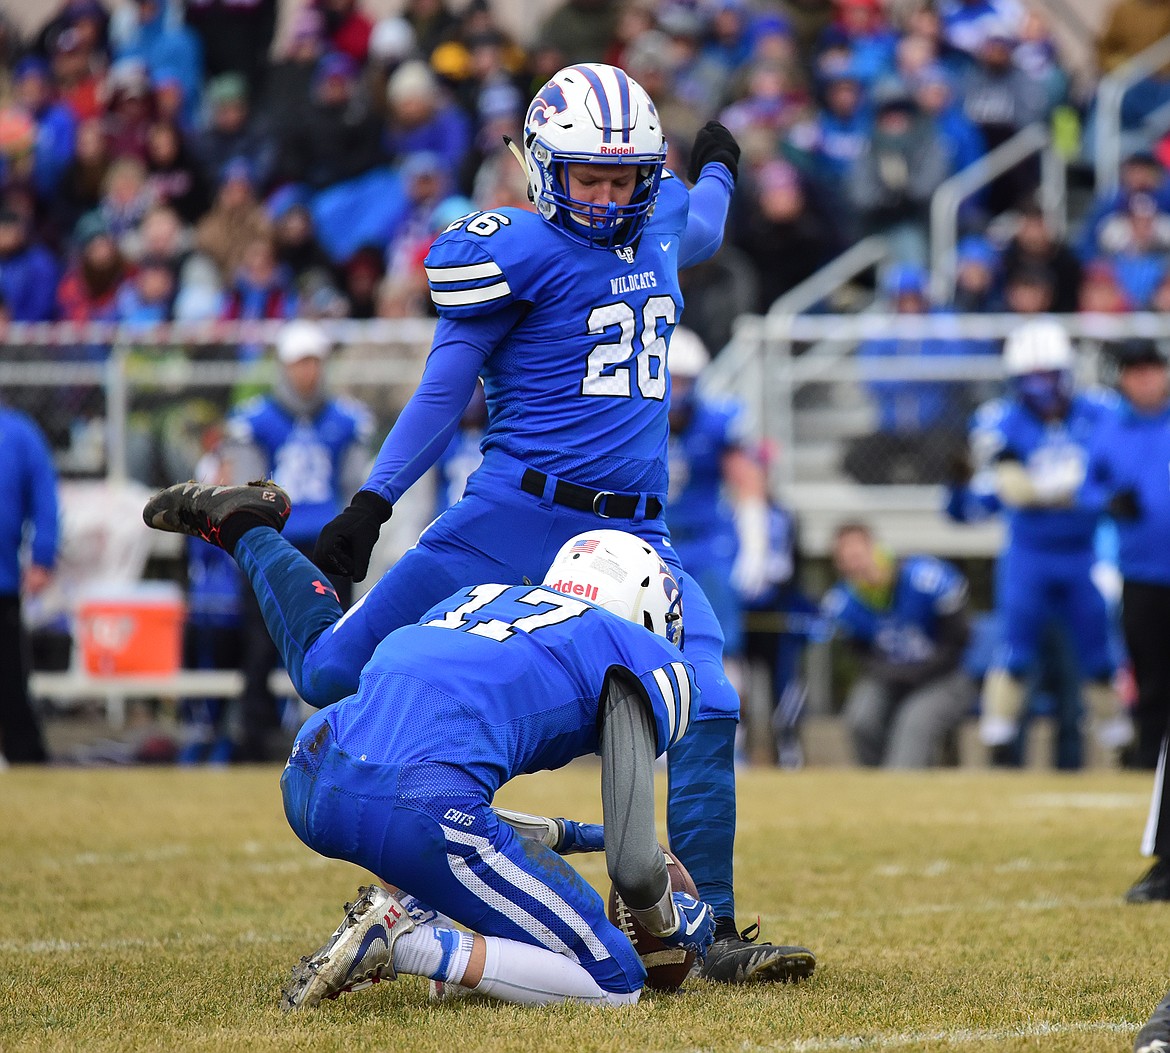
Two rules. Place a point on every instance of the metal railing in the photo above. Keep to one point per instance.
(949, 197)
(742, 351)
(125, 365)
(792, 391)
(1110, 95)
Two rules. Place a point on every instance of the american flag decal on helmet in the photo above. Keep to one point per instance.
(586, 544)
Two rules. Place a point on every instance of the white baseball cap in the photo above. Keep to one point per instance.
(302, 339)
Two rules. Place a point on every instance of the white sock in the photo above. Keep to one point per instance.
(527, 975)
(433, 952)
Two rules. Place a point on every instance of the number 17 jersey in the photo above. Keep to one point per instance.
(500, 681)
(578, 388)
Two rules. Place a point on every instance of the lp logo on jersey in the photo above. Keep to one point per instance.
(547, 104)
(625, 253)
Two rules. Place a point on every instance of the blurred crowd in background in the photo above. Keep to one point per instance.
(162, 160)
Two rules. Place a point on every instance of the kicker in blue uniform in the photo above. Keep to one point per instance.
(577, 390)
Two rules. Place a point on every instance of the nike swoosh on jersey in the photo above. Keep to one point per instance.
(664, 246)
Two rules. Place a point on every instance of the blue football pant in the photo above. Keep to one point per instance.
(429, 829)
(1034, 587)
(498, 533)
(711, 569)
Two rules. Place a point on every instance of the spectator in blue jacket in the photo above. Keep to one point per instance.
(56, 127)
(148, 298)
(30, 485)
(421, 117)
(153, 31)
(1140, 173)
(28, 271)
(919, 421)
(1125, 477)
(316, 443)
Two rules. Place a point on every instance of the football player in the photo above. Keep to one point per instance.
(492, 682)
(566, 314)
(1030, 452)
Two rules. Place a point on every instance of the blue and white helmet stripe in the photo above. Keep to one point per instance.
(604, 80)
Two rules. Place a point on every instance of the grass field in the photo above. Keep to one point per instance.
(151, 909)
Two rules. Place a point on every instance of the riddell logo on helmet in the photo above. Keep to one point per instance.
(572, 588)
(615, 150)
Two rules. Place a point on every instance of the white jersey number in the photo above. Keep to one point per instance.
(562, 609)
(608, 368)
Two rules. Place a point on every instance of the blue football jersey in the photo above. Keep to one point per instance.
(506, 680)
(696, 503)
(925, 589)
(569, 386)
(304, 454)
(1006, 428)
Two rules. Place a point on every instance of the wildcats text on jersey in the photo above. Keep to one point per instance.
(632, 282)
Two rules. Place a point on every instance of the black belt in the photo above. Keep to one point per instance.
(603, 503)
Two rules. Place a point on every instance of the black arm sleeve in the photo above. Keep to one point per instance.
(636, 864)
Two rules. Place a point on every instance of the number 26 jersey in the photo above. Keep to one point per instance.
(578, 388)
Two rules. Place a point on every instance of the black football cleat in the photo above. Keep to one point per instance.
(201, 511)
(1155, 1036)
(741, 959)
(1153, 886)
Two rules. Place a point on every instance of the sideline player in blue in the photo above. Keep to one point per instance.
(909, 619)
(512, 680)
(1029, 451)
(317, 446)
(716, 507)
(566, 313)
(1127, 479)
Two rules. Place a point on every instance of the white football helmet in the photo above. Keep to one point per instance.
(592, 113)
(1039, 346)
(622, 574)
(688, 356)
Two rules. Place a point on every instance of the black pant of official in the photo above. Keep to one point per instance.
(20, 733)
(258, 716)
(1146, 622)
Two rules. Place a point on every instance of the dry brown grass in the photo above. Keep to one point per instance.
(161, 909)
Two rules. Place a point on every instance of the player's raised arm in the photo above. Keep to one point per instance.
(713, 169)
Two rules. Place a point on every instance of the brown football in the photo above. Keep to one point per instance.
(666, 967)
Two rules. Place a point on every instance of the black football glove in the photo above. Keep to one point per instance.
(1124, 505)
(713, 143)
(346, 541)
